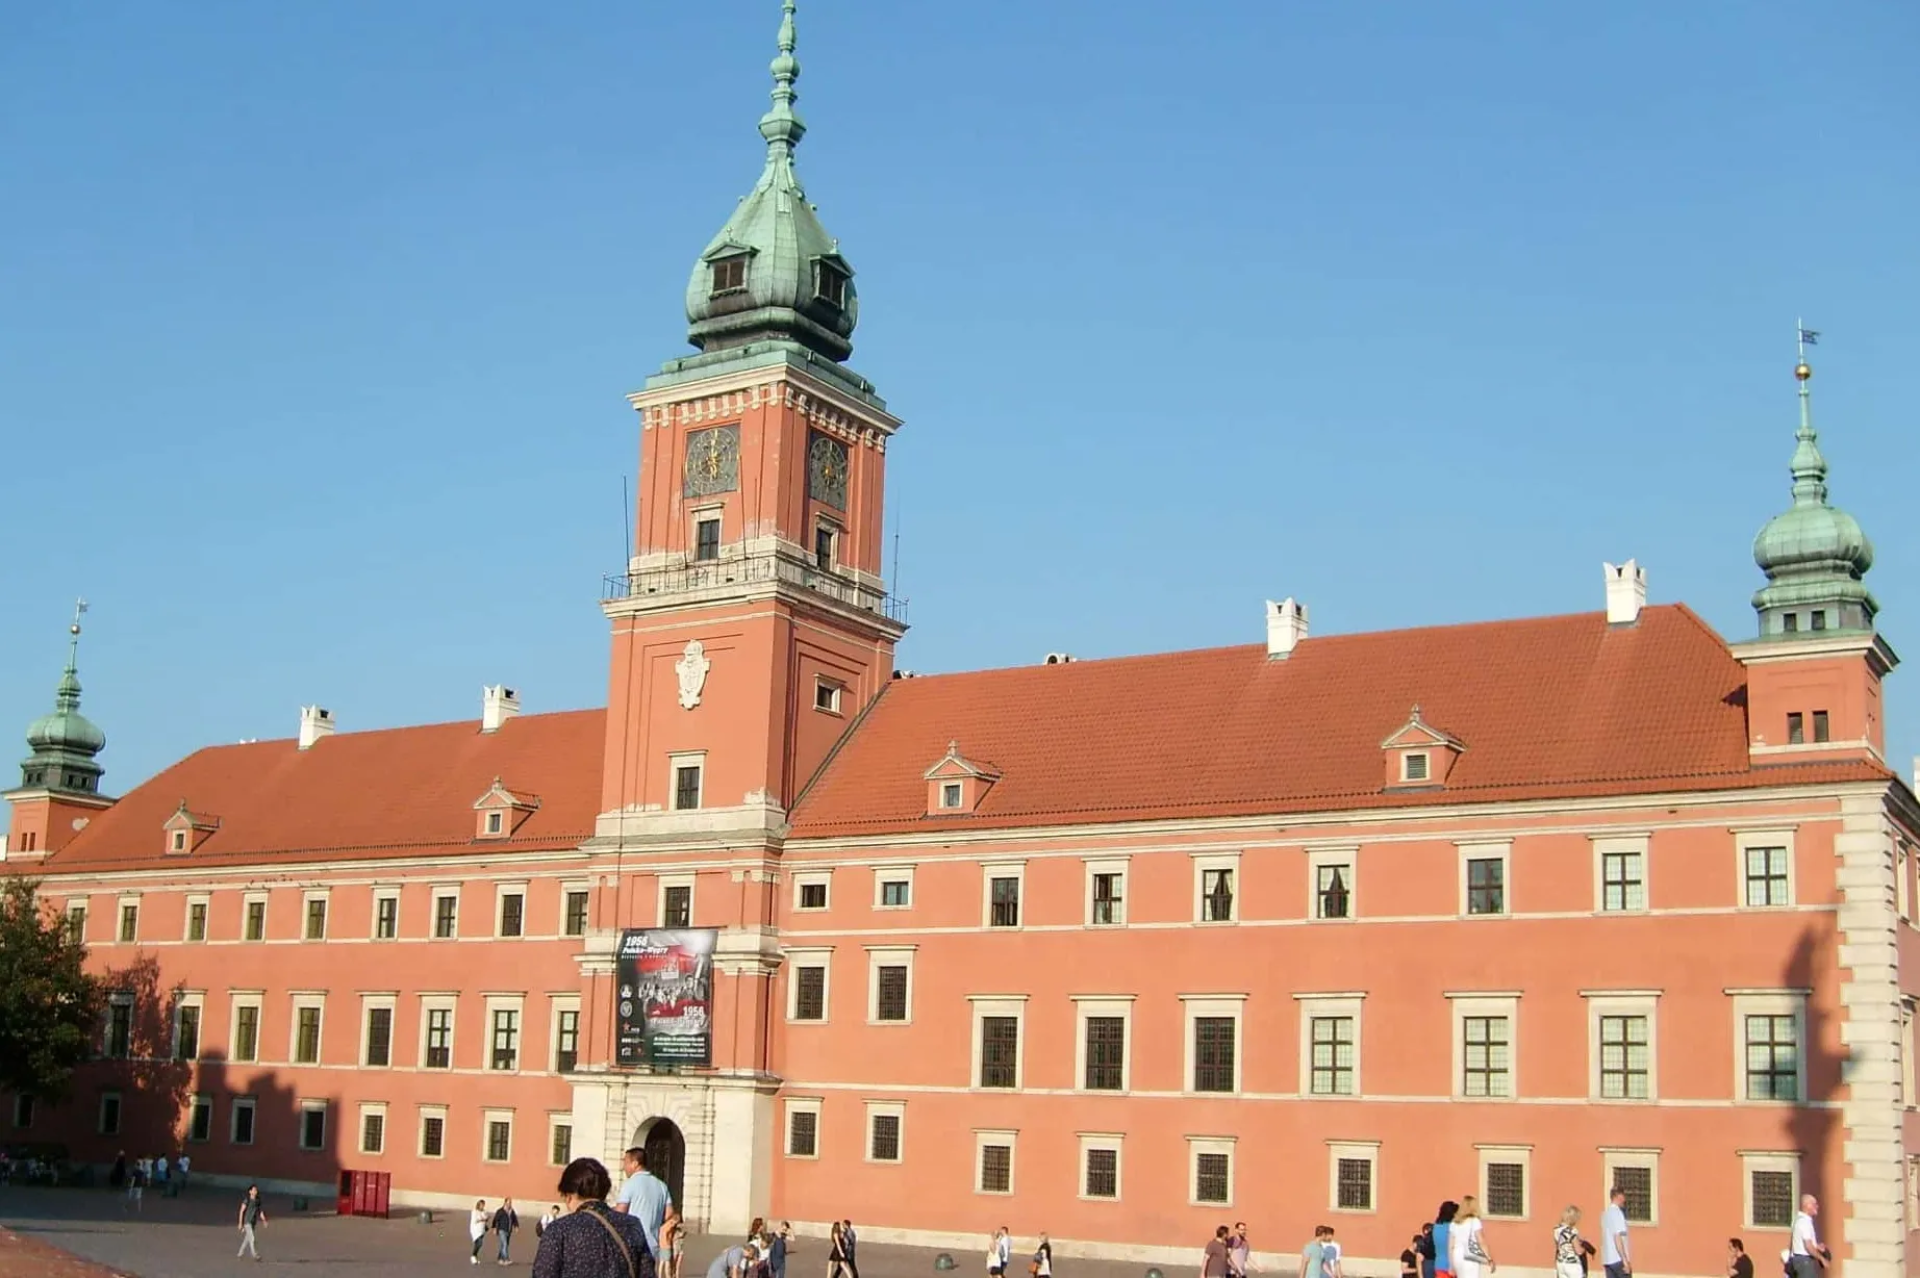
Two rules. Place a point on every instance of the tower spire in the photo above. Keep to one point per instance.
(65, 745)
(67, 695)
(782, 126)
(1809, 466)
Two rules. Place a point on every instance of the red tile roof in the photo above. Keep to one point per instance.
(1546, 707)
(358, 795)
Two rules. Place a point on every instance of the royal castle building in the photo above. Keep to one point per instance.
(1318, 928)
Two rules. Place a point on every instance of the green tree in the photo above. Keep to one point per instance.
(50, 1006)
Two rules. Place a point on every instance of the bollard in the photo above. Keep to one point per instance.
(1155, 1273)
(426, 1218)
(943, 1261)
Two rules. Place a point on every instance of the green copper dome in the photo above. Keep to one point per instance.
(1814, 554)
(773, 274)
(66, 728)
(64, 744)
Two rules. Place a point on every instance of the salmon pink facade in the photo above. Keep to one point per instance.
(1320, 929)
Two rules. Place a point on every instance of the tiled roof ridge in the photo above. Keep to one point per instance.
(361, 734)
(226, 859)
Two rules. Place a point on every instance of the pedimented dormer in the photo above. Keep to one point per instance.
(957, 784)
(186, 830)
(1418, 755)
(500, 811)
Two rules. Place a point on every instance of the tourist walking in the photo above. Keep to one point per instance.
(1213, 1259)
(117, 1178)
(1313, 1255)
(837, 1252)
(477, 1222)
(644, 1195)
(253, 1218)
(505, 1221)
(1739, 1263)
(160, 1176)
(1042, 1264)
(590, 1239)
(1806, 1255)
(1615, 1254)
(851, 1242)
(180, 1168)
(1238, 1249)
(1410, 1259)
(1329, 1253)
(1470, 1255)
(777, 1250)
(1443, 1237)
(1567, 1242)
(136, 1186)
(1000, 1253)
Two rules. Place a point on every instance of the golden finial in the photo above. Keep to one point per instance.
(1808, 337)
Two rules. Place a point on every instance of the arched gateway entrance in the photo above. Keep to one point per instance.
(666, 1150)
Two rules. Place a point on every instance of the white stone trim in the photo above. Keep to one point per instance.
(1213, 861)
(1521, 1154)
(1500, 850)
(1362, 1150)
(556, 1005)
(302, 1002)
(1347, 857)
(441, 892)
(1747, 1003)
(985, 1005)
(205, 902)
(879, 956)
(1471, 1006)
(677, 760)
(1612, 1159)
(367, 1110)
(1637, 845)
(369, 1003)
(308, 899)
(1116, 865)
(555, 1121)
(991, 870)
(488, 1117)
(882, 1109)
(822, 879)
(497, 1004)
(380, 894)
(1198, 1145)
(665, 881)
(1115, 1141)
(1087, 1006)
(1779, 837)
(999, 1138)
(885, 874)
(420, 1131)
(803, 957)
(800, 1105)
(501, 891)
(236, 1000)
(1196, 1006)
(1752, 1161)
(1315, 1007)
(1605, 1003)
(450, 1004)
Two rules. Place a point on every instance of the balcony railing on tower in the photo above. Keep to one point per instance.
(692, 578)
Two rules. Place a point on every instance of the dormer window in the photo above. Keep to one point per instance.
(950, 794)
(496, 822)
(499, 812)
(186, 830)
(1419, 755)
(956, 785)
(730, 274)
(830, 284)
(1414, 766)
(179, 841)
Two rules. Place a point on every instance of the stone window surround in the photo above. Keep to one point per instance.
(666, 881)
(800, 1105)
(197, 1000)
(1115, 1141)
(314, 1106)
(879, 956)
(983, 1006)
(1601, 1003)
(884, 1109)
(804, 956)
(1769, 1002)
(301, 1000)
(441, 891)
(1772, 836)
(1106, 865)
(369, 1003)
(806, 878)
(237, 999)
(1500, 850)
(885, 874)
(1196, 1006)
(1015, 869)
(685, 759)
(555, 1121)
(437, 1002)
(1086, 1006)
(488, 1117)
(517, 1004)
(1476, 1003)
(1202, 863)
(1369, 1150)
(1637, 842)
(1198, 1145)
(501, 891)
(1521, 1154)
(1612, 1157)
(1347, 857)
(420, 1136)
(556, 1004)
(373, 917)
(1317, 1006)
(983, 1137)
(307, 898)
(1755, 1160)
(205, 901)
(360, 1135)
(247, 901)
(251, 1105)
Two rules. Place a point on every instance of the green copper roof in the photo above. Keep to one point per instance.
(773, 272)
(1814, 554)
(64, 743)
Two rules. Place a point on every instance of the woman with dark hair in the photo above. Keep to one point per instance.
(590, 1240)
(1443, 1238)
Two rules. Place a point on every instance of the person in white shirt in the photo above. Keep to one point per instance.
(181, 1166)
(1614, 1253)
(477, 1222)
(1806, 1256)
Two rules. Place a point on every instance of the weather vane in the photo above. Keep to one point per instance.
(1808, 337)
(79, 606)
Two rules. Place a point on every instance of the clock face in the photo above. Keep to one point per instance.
(713, 461)
(827, 471)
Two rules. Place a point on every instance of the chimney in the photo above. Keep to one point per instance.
(314, 724)
(1626, 593)
(1286, 627)
(497, 705)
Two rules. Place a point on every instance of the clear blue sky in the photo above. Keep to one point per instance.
(316, 321)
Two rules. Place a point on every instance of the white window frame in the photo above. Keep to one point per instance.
(982, 1138)
(178, 842)
(1500, 850)
(442, 891)
(301, 1000)
(1108, 865)
(1115, 1141)
(1907, 1046)
(252, 1105)
(1758, 1002)
(501, 891)
(985, 1005)
(555, 1121)
(1777, 837)
(1406, 767)
(835, 691)
(1347, 857)
(567, 888)
(880, 1109)
(1086, 1007)
(360, 1135)
(1522, 1154)
(496, 822)
(1196, 1006)
(991, 870)
(517, 1004)
(1616, 844)
(194, 1103)
(1902, 880)
(953, 796)
(1367, 1150)
(801, 1105)
(685, 759)
(879, 956)
(1477, 1004)
(307, 899)
(1604, 1003)
(420, 1132)
(1203, 862)
(798, 957)
(368, 1004)
(660, 896)
(1756, 1160)
(129, 901)
(488, 1117)
(1315, 1007)
(885, 874)
(373, 918)
(322, 1108)
(76, 905)
(812, 878)
(197, 1000)
(1198, 1145)
(256, 999)
(450, 1004)
(556, 1004)
(247, 901)
(205, 901)
(1615, 1157)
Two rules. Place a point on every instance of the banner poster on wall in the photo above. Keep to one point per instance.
(664, 1010)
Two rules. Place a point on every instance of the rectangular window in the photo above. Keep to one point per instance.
(1005, 897)
(896, 893)
(23, 1110)
(1108, 903)
(1487, 885)
(1796, 728)
(1212, 1179)
(1637, 1183)
(810, 993)
(313, 1125)
(513, 911)
(996, 1169)
(242, 1131)
(496, 822)
(1767, 876)
(576, 913)
(1623, 881)
(254, 928)
(813, 896)
(1819, 618)
(77, 921)
(1773, 1203)
(499, 1140)
(706, 538)
(386, 918)
(1790, 623)
(803, 1133)
(566, 1041)
(1216, 896)
(730, 273)
(950, 795)
(446, 915)
(439, 1038)
(1487, 1062)
(1103, 1173)
(200, 1120)
(823, 548)
(676, 906)
(306, 1036)
(1773, 1058)
(1106, 1053)
(890, 993)
(373, 1132)
(1624, 1057)
(1333, 1056)
(1506, 1189)
(110, 1113)
(246, 1033)
(1213, 1039)
(883, 1145)
(999, 1051)
(1353, 1184)
(129, 924)
(186, 1033)
(686, 787)
(561, 1151)
(826, 696)
(506, 1039)
(1819, 726)
(119, 1042)
(379, 1037)
(197, 921)
(1332, 891)
(1414, 766)
(433, 1136)
(317, 918)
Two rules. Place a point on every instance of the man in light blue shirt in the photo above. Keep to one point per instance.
(1614, 1252)
(644, 1196)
